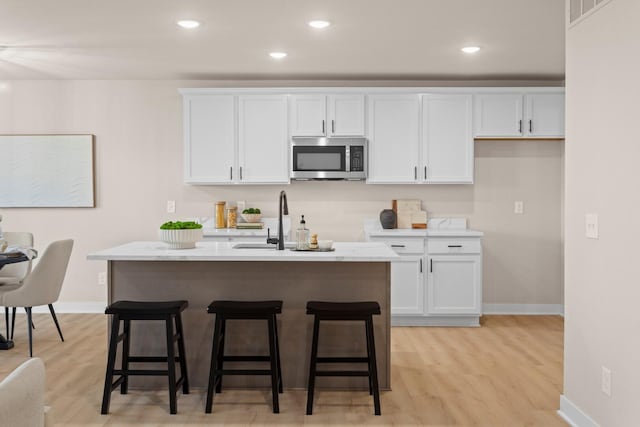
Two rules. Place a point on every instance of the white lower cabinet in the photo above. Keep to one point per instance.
(436, 282)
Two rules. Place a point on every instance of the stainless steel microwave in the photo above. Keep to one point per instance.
(328, 158)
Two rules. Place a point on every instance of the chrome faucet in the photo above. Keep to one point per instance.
(283, 209)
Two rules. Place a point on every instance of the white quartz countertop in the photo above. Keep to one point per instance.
(224, 251)
(409, 232)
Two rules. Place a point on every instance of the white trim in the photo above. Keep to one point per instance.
(574, 415)
(74, 307)
(557, 309)
(465, 321)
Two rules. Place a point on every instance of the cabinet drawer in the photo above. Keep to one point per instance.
(453, 246)
(405, 245)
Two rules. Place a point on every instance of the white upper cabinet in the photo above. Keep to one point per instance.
(529, 115)
(209, 135)
(327, 115)
(447, 138)
(394, 138)
(262, 139)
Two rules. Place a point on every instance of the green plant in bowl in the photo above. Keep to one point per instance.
(251, 211)
(180, 225)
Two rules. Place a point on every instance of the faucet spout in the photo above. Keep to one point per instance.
(283, 209)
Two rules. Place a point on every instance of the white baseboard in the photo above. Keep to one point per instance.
(574, 415)
(557, 309)
(73, 307)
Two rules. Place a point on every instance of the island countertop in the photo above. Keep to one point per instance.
(224, 251)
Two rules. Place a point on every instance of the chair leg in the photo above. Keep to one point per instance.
(366, 328)
(182, 356)
(220, 356)
(33, 326)
(29, 322)
(111, 361)
(6, 320)
(213, 364)
(124, 387)
(312, 365)
(275, 322)
(171, 362)
(373, 370)
(55, 319)
(275, 375)
(13, 321)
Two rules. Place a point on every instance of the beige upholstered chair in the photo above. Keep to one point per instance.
(22, 396)
(42, 286)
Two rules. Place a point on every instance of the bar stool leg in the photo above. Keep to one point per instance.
(274, 365)
(275, 322)
(171, 365)
(182, 355)
(312, 365)
(366, 328)
(124, 387)
(373, 367)
(214, 362)
(111, 361)
(223, 336)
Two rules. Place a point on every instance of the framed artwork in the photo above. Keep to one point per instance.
(47, 171)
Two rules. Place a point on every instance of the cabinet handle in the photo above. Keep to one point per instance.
(425, 172)
(530, 126)
(323, 126)
(520, 126)
(231, 173)
(333, 126)
(415, 172)
(431, 265)
(455, 246)
(420, 265)
(398, 246)
(240, 173)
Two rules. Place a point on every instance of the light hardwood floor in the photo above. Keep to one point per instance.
(507, 373)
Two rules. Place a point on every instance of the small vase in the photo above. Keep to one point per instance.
(387, 218)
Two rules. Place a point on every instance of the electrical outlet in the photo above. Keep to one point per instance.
(102, 278)
(591, 226)
(518, 207)
(606, 381)
(171, 206)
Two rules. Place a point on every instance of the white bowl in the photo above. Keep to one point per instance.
(181, 239)
(251, 217)
(325, 244)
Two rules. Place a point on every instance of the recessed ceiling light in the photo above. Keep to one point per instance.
(277, 55)
(319, 24)
(188, 23)
(470, 49)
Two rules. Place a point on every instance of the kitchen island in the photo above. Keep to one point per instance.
(149, 271)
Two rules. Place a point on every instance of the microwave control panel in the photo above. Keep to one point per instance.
(356, 155)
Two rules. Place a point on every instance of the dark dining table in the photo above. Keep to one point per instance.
(5, 259)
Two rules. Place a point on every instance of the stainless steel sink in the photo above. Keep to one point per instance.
(257, 245)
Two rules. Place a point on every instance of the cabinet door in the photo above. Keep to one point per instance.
(262, 139)
(545, 115)
(209, 139)
(447, 148)
(498, 115)
(394, 138)
(454, 284)
(346, 115)
(308, 115)
(407, 286)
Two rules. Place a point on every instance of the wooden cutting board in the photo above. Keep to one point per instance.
(406, 207)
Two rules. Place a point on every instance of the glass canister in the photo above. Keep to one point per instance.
(232, 216)
(220, 223)
(302, 236)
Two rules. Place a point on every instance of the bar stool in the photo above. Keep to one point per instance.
(260, 310)
(169, 311)
(357, 311)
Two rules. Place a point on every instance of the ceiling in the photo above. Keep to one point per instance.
(369, 39)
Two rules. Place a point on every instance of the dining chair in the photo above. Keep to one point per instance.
(22, 395)
(42, 286)
(14, 274)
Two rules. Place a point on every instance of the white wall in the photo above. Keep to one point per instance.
(139, 167)
(602, 320)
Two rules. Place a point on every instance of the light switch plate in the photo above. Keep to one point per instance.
(591, 225)
(518, 207)
(171, 206)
